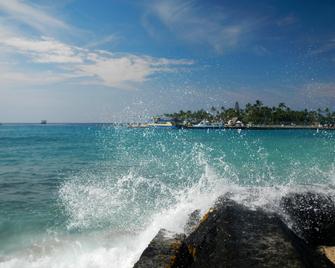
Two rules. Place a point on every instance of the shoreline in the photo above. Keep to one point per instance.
(278, 127)
(268, 127)
(127, 125)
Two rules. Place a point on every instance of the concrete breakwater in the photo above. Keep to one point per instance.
(278, 127)
(232, 235)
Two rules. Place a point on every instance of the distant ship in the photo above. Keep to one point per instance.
(43, 122)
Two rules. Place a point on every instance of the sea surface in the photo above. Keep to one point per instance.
(94, 195)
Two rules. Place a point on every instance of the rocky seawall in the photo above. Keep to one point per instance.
(232, 235)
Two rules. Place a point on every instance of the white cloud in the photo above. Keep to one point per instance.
(62, 61)
(35, 17)
(109, 39)
(44, 50)
(94, 66)
(218, 30)
(124, 71)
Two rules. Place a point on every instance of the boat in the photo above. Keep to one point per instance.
(158, 122)
(163, 123)
(43, 122)
(204, 124)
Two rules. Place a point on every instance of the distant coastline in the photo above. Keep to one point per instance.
(253, 116)
(260, 114)
(143, 125)
(254, 127)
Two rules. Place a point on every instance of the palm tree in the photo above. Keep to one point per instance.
(259, 103)
(282, 106)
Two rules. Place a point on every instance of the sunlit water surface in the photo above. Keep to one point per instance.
(95, 195)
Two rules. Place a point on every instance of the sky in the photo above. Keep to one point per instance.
(122, 60)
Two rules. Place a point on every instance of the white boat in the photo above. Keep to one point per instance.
(157, 123)
(204, 124)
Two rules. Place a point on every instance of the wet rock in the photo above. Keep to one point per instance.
(192, 222)
(313, 217)
(230, 235)
(167, 249)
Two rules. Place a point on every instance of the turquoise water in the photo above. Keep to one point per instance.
(95, 195)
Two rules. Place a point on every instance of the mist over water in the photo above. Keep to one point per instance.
(95, 195)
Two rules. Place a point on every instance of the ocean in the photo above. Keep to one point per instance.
(94, 195)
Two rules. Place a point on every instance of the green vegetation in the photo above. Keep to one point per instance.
(259, 114)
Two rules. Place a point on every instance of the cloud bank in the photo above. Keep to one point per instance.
(97, 67)
(62, 61)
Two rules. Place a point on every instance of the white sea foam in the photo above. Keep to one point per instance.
(116, 219)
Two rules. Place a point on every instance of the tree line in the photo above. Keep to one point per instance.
(258, 113)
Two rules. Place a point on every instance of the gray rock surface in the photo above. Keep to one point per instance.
(192, 222)
(234, 236)
(231, 235)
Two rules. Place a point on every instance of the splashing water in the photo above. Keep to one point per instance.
(116, 187)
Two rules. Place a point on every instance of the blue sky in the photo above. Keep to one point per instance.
(89, 61)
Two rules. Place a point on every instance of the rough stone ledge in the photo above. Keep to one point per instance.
(231, 235)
